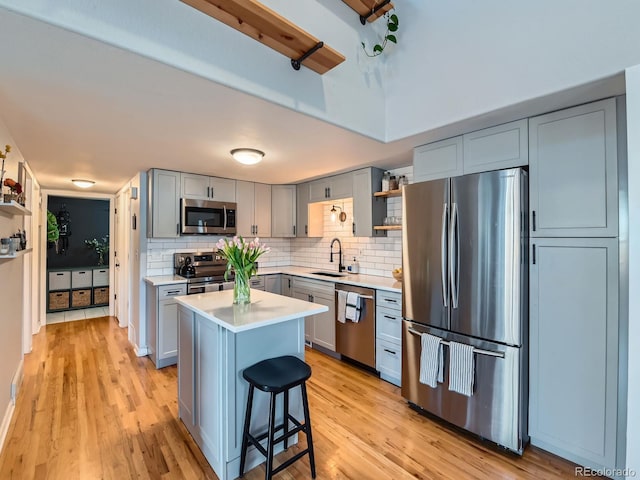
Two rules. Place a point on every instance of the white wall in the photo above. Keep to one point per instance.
(11, 296)
(456, 60)
(351, 95)
(633, 142)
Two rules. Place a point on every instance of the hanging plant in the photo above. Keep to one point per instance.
(389, 36)
(52, 228)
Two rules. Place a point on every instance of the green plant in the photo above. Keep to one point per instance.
(389, 36)
(52, 228)
(101, 247)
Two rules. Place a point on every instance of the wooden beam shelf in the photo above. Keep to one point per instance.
(9, 209)
(367, 9)
(266, 26)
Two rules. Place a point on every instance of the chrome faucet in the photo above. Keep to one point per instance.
(340, 265)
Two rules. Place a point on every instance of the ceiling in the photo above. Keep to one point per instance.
(79, 108)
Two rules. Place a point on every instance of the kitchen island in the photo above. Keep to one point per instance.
(216, 342)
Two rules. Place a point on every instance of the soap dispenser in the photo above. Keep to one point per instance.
(355, 266)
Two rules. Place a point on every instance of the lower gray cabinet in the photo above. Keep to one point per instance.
(273, 283)
(573, 406)
(162, 323)
(319, 329)
(286, 285)
(389, 336)
(186, 368)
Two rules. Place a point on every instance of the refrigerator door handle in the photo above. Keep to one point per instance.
(443, 255)
(454, 265)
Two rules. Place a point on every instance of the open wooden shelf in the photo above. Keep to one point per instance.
(266, 26)
(19, 253)
(364, 8)
(9, 209)
(388, 227)
(389, 193)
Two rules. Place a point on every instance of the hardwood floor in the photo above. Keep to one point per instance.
(90, 409)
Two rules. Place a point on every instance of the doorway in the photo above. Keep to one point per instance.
(77, 274)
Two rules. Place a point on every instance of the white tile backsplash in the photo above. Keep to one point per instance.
(376, 256)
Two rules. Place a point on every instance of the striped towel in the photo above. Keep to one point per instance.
(430, 360)
(461, 368)
(342, 306)
(352, 312)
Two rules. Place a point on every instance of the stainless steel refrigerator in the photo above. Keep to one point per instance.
(465, 272)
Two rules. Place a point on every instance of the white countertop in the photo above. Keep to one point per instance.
(159, 280)
(265, 309)
(369, 281)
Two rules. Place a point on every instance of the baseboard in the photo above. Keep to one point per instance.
(140, 351)
(16, 382)
(6, 421)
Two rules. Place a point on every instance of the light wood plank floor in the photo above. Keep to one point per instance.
(90, 409)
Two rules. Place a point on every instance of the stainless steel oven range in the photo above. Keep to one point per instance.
(204, 271)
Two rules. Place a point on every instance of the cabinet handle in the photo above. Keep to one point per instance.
(256, 229)
(173, 292)
(59, 274)
(390, 300)
(294, 230)
(353, 228)
(208, 194)
(534, 220)
(306, 229)
(59, 294)
(289, 283)
(389, 351)
(534, 254)
(177, 229)
(212, 194)
(390, 318)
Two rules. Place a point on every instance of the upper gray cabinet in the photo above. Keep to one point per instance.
(253, 216)
(203, 187)
(283, 210)
(367, 209)
(438, 160)
(331, 188)
(573, 177)
(502, 146)
(163, 217)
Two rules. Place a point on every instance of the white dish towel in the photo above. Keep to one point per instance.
(461, 368)
(430, 360)
(352, 312)
(342, 306)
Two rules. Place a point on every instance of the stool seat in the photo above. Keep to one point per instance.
(277, 374)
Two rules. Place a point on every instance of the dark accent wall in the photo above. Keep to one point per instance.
(89, 219)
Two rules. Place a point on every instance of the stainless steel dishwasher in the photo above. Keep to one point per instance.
(357, 341)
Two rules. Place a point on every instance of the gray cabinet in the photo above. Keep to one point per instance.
(502, 146)
(309, 216)
(283, 210)
(203, 187)
(163, 218)
(389, 336)
(253, 215)
(257, 283)
(100, 277)
(186, 369)
(574, 348)
(162, 323)
(367, 209)
(438, 160)
(286, 285)
(320, 329)
(331, 188)
(573, 179)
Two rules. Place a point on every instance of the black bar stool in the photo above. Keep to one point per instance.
(274, 376)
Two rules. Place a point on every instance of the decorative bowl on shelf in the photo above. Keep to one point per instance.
(397, 274)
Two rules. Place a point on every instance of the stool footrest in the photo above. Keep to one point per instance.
(297, 456)
(255, 440)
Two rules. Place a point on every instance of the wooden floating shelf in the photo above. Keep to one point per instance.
(266, 26)
(364, 8)
(389, 193)
(388, 227)
(9, 209)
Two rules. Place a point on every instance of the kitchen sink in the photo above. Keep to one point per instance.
(330, 274)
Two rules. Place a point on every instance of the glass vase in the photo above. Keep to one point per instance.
(241, 288)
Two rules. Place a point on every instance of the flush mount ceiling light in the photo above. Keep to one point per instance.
(342, 217)
(247, 156)
(83, 183)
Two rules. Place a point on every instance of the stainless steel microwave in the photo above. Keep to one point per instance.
(204, 217)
